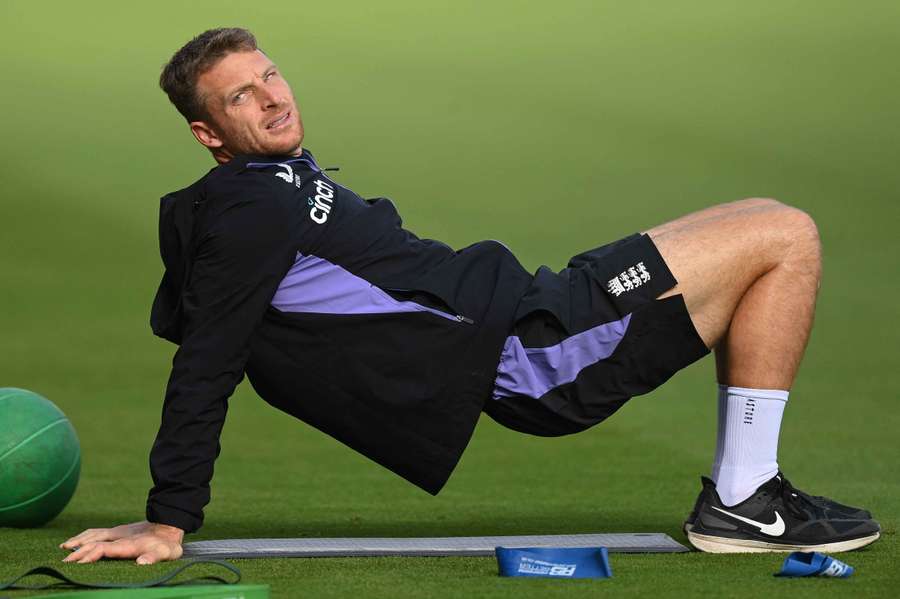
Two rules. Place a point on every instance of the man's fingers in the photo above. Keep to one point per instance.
(147, 550)
(95, 535)
(83, 552)
(93, 554)
(159, 552)
(91, 535)
(124, 549)
(79, 553)
(78, 539)
(95, 551)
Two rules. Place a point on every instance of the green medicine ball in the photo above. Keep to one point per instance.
(40, 459)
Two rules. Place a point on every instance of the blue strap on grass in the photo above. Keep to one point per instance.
(800, 563)
(554, 562)
(64, 582)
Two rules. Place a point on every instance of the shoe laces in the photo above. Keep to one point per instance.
(798, 503)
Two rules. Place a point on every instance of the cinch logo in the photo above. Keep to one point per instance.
(322, 203)
(628, 280)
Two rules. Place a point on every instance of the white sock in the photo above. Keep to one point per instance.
(720, 432)
(749, 439)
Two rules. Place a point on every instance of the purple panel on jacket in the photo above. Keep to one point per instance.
(533, 371)
(316, 285)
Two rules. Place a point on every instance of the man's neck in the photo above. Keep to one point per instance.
(221, 155)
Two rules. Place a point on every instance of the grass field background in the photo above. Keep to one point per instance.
(553, 128)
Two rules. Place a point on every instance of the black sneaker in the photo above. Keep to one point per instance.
(708, 487)
(776, 518)
(832, 508)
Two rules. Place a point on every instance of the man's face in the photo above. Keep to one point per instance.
(251, 108)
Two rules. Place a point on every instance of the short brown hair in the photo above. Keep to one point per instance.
(180, 74)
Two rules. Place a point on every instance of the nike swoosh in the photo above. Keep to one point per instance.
(775, 529)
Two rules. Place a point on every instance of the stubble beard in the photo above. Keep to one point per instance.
(286, 146)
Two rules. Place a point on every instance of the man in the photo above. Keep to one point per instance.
(394, 345)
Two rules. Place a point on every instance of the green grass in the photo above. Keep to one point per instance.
(552, 128)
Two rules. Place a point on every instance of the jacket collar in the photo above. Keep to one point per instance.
(245, 161)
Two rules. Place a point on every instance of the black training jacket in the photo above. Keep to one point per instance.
(336, 313)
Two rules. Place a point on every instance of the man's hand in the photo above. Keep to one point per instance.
(145, 542)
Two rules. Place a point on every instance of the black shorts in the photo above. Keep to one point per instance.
(590, 337)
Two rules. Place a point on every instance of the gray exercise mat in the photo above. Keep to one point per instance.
(641, 542)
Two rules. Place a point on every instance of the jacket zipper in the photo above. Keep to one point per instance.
(436, 311)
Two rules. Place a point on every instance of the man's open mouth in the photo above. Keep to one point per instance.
(279, 121)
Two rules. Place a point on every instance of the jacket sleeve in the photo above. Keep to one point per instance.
(239, 262)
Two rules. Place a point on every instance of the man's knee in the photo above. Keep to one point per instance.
(767, 204)
(795, 229)
(796, 224)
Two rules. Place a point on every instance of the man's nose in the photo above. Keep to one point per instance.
(270, 98)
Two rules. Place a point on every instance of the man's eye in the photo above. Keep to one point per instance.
(271, 74)
(238, 98)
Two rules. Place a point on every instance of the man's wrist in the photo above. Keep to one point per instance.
(172, 533)
(172, 516)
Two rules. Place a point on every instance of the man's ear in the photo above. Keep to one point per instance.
(206, 135)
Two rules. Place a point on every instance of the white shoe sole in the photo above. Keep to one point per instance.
(711, 544)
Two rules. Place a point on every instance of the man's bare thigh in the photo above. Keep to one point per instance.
(716, 254)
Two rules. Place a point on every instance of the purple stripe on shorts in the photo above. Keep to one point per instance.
(314, 284)
(533, 371)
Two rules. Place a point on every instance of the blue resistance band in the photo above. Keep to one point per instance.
(814, 564)
(554, 562)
